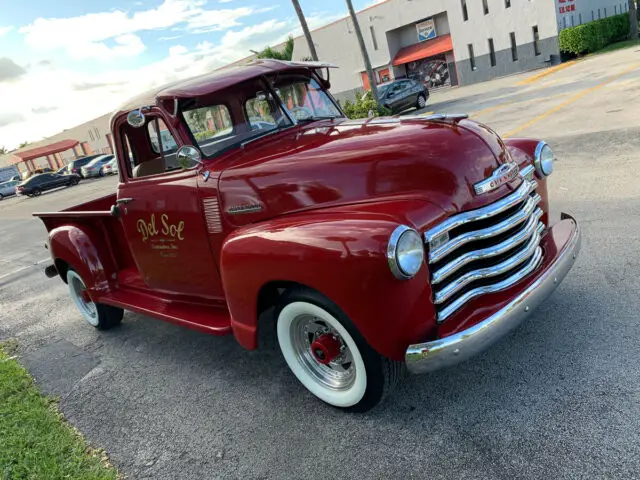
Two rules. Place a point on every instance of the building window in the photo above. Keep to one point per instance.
(472, 57)
(580, 18)
(572, 22)
(492, 53)
(514, 47)
(605, 12)
(95, 129)
(465, 13)
(615, 9)
(485, 6)
(507, 3)
(564, 22)
(599, 17)
(592, 17)
(373, 38)
(91, 135)
(536, 41)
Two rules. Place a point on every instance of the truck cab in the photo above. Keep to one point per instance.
(374, 245)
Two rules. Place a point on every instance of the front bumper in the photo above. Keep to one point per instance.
(448, 351)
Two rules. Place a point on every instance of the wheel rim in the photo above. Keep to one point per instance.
(340, 380)
(421, 101)
(337, 374)
(78, 291)
(36, 193)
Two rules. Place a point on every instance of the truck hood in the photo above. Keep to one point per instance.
(341, 162)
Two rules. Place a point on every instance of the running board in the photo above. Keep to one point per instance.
(201, 317)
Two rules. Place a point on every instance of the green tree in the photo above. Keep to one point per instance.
(24, 144)
(286, 53)
(3, 150)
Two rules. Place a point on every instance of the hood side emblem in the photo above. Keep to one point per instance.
(248, 208)
(501, 175)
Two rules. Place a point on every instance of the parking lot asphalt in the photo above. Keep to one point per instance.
(559, 398)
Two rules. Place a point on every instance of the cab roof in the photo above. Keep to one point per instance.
(215, 81)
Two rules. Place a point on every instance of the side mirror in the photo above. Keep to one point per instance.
(188, 155)
(136, 118)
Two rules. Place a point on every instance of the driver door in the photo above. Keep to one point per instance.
(161, 212)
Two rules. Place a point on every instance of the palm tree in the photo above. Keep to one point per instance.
(3, 150)
(633, 20)
(305, 29)
(286, 53)
(363, 49)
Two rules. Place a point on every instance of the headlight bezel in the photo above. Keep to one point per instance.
(395, 262)
(544, 165)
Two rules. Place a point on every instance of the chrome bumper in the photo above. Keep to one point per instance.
(445, 352)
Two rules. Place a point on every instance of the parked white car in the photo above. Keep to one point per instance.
(94, 167)
(110, 168)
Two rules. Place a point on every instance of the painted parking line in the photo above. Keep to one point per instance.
(21, 269)
(546, 72)
(570, 101)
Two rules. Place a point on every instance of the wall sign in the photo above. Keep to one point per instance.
(426, 30)
(566, 6)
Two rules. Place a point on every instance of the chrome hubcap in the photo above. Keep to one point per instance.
(85, 305)
(422, 102)
(337, 374)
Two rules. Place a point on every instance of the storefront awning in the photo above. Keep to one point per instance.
(43, 151)
(425, 49)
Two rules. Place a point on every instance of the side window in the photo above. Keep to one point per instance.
(262, 113)
(209, 123)
(160, 137)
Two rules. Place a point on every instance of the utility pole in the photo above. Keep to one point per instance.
(633, 20)
(363, 49)
(305, 29)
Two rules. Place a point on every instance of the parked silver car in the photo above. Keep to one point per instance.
(8, 188)
(94, 167)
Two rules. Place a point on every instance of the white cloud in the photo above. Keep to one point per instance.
(85, 36)
(5, 30)
(178, 50)
(73, 97)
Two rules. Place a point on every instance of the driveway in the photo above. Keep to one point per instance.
(559, 398)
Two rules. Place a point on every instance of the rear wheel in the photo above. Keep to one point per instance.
(329, 356)
(1, 196)
(102, 317)
(422, 102)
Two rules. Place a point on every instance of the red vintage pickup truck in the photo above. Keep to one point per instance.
(247, 200)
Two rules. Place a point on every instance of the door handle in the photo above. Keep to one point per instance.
(122, 201)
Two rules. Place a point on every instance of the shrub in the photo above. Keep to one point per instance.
(594, 36)
(363, 104)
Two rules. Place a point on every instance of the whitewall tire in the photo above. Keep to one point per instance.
(328, 355)
(97, 315)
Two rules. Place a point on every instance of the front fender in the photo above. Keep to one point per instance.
(86, 252)
(340, 253)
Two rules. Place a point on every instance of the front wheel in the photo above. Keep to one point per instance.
(329, 356)
(36, 193)
(102, 317)
(422, 102)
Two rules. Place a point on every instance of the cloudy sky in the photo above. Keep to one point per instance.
(65, 62)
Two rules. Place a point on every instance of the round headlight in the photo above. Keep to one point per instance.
(405, 252)
(544, 159)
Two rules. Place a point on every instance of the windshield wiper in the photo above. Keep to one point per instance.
(313, 119)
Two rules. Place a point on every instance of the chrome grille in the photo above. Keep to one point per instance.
(485, 250)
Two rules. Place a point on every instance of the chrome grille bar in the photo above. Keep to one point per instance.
(535, 261)
(482, 213)
(486, 250)
(495, 250)
(519, 217)
(512, 262)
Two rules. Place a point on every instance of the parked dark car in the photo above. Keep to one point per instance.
(402, 94)
(8, 188)
(75, 166)
(37, 184)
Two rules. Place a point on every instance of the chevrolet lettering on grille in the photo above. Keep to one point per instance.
(503, 174)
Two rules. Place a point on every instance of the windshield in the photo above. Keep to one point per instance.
(95, 161)
(251, 110)
(382, 90)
